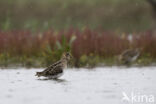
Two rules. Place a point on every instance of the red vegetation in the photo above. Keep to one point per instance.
(105, 44)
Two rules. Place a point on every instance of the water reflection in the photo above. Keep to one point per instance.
(60, 80)
(55, 80)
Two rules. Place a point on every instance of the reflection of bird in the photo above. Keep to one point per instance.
(129, 56)
(56, 70)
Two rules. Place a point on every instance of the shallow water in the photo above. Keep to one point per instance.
(100, 86)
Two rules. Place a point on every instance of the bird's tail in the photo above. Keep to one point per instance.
(38, 74)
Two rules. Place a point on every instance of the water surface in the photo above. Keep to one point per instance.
(99, 86)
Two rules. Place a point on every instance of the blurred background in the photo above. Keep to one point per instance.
(123, 15)
(34, 33)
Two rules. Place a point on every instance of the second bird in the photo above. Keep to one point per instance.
(129, 56)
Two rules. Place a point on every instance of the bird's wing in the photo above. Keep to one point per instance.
(56, 70)
(125, 53)
(51, 67)
(55, 64)
(130, 54)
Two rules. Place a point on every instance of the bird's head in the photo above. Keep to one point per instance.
(67, 56)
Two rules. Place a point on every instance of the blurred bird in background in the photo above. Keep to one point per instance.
(128, 56)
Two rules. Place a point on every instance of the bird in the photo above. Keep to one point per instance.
(55, 70)
(129, 56)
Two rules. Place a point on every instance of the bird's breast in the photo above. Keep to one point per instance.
(64, 64)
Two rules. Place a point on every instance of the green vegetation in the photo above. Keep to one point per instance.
(114, 15)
